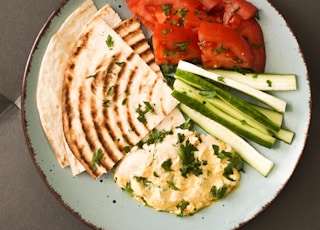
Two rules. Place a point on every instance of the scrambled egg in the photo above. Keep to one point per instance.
(179, 171)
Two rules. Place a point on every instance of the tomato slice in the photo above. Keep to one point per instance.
(210, 4)
(223, 47)
(238, 8)
(172, 43)
(152, 12)
(252, 32)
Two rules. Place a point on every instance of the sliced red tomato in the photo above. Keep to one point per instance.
(223, 47)
(210, 4)
(252, 32)
(172, 43)
(193, 19)
(152, 12)
(238, 8)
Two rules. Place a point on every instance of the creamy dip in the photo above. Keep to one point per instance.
(180, 173)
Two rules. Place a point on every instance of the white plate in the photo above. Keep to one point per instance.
(102, 204)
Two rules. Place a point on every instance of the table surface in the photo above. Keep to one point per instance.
(26, 202)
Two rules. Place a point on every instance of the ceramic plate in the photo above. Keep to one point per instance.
(102, 204)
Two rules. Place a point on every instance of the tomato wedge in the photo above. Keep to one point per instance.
(251, 31)
(235, 8)
(218, 33)
(152, 12)
(172, 43)
(223, 47)
(210, 4)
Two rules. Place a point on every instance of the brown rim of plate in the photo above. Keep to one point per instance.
(42, 32)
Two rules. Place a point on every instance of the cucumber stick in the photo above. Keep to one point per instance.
(243, 148)
(191, 97)
(261, 81)
(241, 105)
(274, 102)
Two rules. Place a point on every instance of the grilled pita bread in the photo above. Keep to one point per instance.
(49, 89)
(111, 98)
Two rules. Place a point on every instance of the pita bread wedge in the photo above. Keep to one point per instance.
(111, 98)
(51, 73)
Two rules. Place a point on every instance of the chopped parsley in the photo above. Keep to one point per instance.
(106, 102)
(269, 83)
(220, 50)
(166, 9)
(235, 161)
(91, 76)
(157, 136)
(187, 125)
(146, 183)
(169, 52)
(166, 31)
(235, 10)
(221, 78)
(96, 158)
(124, 101)
(182, 206)
(190, 165)
(110, 42)
(109, 90)
(218, 192)
(128, 189)
(182, 13)
(172, 185)
(182, 45)
(166, 165)
(120, 63)
(142, 112)
(155, 174)
(126, 149)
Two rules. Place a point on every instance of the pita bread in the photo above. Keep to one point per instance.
(49, 89)
(105, 85)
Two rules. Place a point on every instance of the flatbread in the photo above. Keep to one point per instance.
(49, 89)
(105, 85)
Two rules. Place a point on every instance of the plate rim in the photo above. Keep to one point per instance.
(42, 32)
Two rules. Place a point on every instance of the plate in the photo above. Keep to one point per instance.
(101, 204)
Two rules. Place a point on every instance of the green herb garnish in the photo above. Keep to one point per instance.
(182, 45)
(96, 158)
(142, 112)
(220, 50)
(166, 165)
(182, 206)
(218, 192)
(146, 183)
(128, 189)
(172, 185)
(110, 42)
(166, 9)
(190, 165)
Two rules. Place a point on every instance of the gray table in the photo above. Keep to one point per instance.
(26, 203)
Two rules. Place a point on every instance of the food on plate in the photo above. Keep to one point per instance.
(217, 33)
(179, 171)
(49, 89)
(104, 102)
(111, 98)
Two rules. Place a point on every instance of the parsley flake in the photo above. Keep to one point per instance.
(190, 165)
(182, 206)
(166, 165)
(142, 112)
(218, 192)
(110, 42)
(96, 158)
